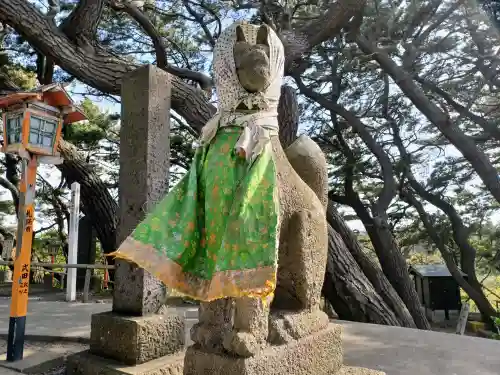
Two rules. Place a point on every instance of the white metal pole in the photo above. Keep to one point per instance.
(73, 241)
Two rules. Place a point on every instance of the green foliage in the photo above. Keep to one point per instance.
(496, 322)
(88, 134)
(22, 77)
(7, 207)
(41, 246)
(491, 289)
(425, 258)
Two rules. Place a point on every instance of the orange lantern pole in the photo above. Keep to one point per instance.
(32, 124)
(22, 263)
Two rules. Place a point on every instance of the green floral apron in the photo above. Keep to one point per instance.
(215, 234)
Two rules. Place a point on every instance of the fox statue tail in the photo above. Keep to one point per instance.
(309, 161)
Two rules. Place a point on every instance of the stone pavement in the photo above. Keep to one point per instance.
(63, 319)
(54, 318)
(403, 351)
(397, 351)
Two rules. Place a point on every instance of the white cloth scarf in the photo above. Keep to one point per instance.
(257, 126)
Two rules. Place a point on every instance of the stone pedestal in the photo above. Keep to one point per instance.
(317, 354)
(85, 363)
(134, 335)
(144, 345)
(136, 340)
(119, 345)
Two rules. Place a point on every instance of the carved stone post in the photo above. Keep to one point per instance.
(143, 181)
(133, 333)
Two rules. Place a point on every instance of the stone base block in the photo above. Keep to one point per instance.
(317, 354)
(348, 370)
(85, 363)
(133, 340)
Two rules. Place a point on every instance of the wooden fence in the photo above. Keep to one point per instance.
(87, 267)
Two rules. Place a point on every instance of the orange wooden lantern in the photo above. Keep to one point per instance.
(32, 124)
(33, 120)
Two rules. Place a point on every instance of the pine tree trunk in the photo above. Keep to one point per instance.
(392, 261)
(396, 270)
(349, 291)
(372, 272)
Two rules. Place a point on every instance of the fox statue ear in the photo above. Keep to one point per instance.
(262, 35)
(240, 35)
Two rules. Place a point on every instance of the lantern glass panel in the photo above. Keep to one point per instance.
(14, 129)
(35, 123)
(42, 132)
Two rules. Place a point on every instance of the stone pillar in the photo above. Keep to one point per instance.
(133, 333)
(143, 181)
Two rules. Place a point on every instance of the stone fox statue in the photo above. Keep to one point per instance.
(242, 231)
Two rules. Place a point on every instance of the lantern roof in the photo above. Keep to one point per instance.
(53, 94)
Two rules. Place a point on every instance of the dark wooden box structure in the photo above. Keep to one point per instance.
(436, 288)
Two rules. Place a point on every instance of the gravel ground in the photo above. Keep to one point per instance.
(65, 348)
